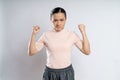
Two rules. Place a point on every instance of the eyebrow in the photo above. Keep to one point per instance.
(59, 19)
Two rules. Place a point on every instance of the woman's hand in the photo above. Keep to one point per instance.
(85, 43)
(36, 29)
(81, 28)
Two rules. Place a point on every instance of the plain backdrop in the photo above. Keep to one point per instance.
(102, 20)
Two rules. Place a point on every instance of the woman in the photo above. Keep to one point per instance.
(58, 43)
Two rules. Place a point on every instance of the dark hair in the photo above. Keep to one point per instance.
(58, 10)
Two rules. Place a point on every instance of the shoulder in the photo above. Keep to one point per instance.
(72, 32)
(46, 32)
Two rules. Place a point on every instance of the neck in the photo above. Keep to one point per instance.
(58, 30)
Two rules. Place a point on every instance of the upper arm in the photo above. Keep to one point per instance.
(40, 43)
(77, 41)
(80, 45)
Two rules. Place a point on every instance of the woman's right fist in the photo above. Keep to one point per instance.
(36, 29)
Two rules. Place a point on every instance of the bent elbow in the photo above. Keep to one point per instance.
(31, 53)
(87, 52)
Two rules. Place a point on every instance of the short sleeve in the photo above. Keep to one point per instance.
(40, 43)
(77, 41)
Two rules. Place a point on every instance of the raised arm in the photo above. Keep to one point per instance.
(82, 45)
(33, 46)
(85, 43)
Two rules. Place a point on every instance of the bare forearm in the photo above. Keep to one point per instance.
(86, 44)
(32, 47)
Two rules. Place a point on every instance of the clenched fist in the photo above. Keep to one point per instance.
(36, 29)
(81, 28)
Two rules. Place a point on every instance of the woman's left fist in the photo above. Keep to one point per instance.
(81, 27)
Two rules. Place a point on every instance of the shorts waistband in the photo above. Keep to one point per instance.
(61, 69)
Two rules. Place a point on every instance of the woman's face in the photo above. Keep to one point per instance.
(58, 20)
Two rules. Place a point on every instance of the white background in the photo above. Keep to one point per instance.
(102, 20)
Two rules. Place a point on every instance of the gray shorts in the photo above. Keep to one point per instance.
(59, 74)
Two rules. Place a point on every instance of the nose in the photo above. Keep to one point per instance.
(58, 23)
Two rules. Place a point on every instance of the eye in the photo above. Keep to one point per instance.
(61, 19)
(55, 20)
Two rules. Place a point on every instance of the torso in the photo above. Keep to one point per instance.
(58, 46)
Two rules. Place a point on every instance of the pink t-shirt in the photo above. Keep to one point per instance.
(58, 47)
